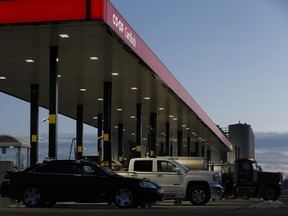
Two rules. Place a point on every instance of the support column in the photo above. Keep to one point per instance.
(79, 132)
(53, 102)
(153, 119)
(188, 147)
(34, 125)
(197, 149)
(120, 143)
(180, 143)
(138, 130)
(100, 138)
(167, 140)
(107, 124)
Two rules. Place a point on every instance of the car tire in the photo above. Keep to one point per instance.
(32, 196)
(199, 195)
(125, 197)
(270, 193)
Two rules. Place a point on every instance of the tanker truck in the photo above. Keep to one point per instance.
(243, 179)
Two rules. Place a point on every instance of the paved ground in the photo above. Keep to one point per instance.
(224, 207)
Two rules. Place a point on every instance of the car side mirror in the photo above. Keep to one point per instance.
(176, 169)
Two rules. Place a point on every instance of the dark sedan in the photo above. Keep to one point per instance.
(80, 181)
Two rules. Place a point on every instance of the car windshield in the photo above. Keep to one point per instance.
(182, 166)
(104, 169)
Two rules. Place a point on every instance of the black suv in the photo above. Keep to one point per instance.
(80, 181)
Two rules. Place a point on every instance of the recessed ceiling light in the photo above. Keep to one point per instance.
(2, 78)
(59, 76)
(83, 90)
(64, 35)
(115, 74)
(134, 88)
(29, 60)
(116, 126)
(94, 58)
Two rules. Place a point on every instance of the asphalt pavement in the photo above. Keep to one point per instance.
(229, 207)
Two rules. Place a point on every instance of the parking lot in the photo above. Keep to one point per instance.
(223, 207)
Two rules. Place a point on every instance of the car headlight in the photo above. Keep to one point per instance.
(216, 177)
(146, 184)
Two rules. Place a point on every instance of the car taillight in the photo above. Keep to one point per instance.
(6, 176)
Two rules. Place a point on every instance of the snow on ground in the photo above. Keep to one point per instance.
(281, 203)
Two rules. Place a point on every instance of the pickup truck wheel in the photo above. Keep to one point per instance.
(125, 197)
(199, 195)
(270, 193)
(32, 196)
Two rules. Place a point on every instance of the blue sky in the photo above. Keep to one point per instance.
(230, 55)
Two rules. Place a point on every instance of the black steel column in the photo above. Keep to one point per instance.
(153, 119)
(167, 139)
(34, 125)
(107, 124)
(197, 149)
(79, 131)
(120, 143)
(100, 138)
(188, 147)
(53, 102)
(180, 143)
(138, 130)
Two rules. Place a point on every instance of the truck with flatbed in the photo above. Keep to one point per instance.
(177, 181)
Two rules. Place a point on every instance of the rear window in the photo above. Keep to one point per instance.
(63, 168)
(144, 166)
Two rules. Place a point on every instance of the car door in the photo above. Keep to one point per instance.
(57, 180)
(169, 179)
(92, 183)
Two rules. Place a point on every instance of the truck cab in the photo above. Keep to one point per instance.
(250, 181)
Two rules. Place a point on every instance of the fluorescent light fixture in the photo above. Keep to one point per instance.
(133, 88)
(83, 90)
(133, 134)
(187, 128)
(94, 58)
(183, 125)
(2, 78)
(95, 117)
(175, 119)
(116, 126)
(100, 99)
(132, 117)
(115, 74)
(64, 35)
(161, 108)
(119, 109)
(171, 116)
(29, 60)
(147, 98)
(59, 76)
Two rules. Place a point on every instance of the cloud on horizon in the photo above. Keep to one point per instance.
(271, 150)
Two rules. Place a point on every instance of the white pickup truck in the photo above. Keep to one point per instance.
(178, 182)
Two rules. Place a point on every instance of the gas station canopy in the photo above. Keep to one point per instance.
(96, 45)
